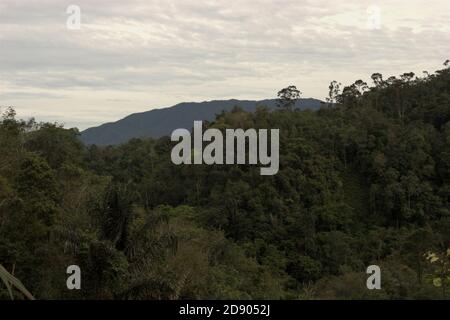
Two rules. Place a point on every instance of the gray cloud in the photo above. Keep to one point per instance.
(29, 95)
(152, 53)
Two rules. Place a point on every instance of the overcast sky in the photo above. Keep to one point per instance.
(132, 56)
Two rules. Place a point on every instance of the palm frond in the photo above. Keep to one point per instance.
(12, 282)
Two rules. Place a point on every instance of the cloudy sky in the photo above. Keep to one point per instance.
(132, 56)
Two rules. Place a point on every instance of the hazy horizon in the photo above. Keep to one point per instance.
(135, 56)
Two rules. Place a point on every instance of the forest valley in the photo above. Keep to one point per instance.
(363, 181)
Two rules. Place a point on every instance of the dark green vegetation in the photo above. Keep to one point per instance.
(364, 182)
(161, 122)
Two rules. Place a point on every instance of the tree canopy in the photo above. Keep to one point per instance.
(364, 181)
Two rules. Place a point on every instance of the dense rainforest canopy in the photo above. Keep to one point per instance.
(365, 180)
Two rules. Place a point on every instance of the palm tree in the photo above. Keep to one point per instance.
(12, 282)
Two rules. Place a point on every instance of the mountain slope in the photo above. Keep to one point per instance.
(160, 122)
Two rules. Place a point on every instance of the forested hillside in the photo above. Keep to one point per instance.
(161, 122)
(361, 182)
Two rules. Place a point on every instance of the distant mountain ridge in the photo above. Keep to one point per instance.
(161, 122)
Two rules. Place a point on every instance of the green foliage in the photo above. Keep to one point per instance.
(364, 181)
(440, 276)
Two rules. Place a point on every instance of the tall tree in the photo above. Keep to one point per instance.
(288, 97)
(333, 92)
